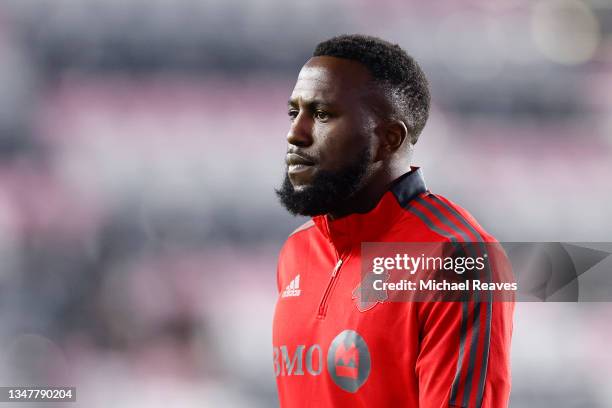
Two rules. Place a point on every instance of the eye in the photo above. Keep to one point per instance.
(321, 115)
(292, 114)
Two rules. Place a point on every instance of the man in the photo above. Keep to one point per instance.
(357, 109)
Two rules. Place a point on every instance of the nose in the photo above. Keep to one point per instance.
(300, 133)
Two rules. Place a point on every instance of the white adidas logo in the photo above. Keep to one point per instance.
(293, 289)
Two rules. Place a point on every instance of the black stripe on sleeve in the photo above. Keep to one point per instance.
(477, 311)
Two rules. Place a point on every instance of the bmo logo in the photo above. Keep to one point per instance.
(348, 361)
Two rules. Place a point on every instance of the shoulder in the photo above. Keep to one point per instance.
(305, 226)
(299, 238)
(445, 219)
(291, 256)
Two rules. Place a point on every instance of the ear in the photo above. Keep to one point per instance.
(392, 135)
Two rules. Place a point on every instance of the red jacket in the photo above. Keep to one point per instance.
(330, 350)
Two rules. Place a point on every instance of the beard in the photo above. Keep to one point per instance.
(329, 192)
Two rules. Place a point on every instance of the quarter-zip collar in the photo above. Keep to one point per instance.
(352, 229)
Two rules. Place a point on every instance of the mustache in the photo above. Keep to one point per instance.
(303, 155)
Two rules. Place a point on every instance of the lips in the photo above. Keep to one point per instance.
(294, 159)
(299, 168)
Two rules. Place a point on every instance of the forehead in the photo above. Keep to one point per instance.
(331, 79)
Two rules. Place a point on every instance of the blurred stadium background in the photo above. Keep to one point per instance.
(140, 142)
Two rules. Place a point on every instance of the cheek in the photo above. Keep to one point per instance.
(340, 145)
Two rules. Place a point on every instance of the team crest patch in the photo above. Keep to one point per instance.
(365, 296)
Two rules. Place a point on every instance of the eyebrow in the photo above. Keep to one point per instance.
(311, 104)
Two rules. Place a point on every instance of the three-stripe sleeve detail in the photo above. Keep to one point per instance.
(474, 333)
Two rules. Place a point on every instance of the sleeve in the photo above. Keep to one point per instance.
(279, 266)
(464, 354)
(464, 357)
(278, 285)
(288, 248)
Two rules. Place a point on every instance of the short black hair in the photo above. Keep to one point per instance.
(392, 68)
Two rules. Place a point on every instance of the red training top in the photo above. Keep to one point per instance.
(333, 350)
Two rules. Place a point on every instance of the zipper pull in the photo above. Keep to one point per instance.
(336, 268)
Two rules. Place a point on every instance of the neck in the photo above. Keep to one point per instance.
(370, 194)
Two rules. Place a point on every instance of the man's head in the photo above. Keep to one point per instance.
(358, 106)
